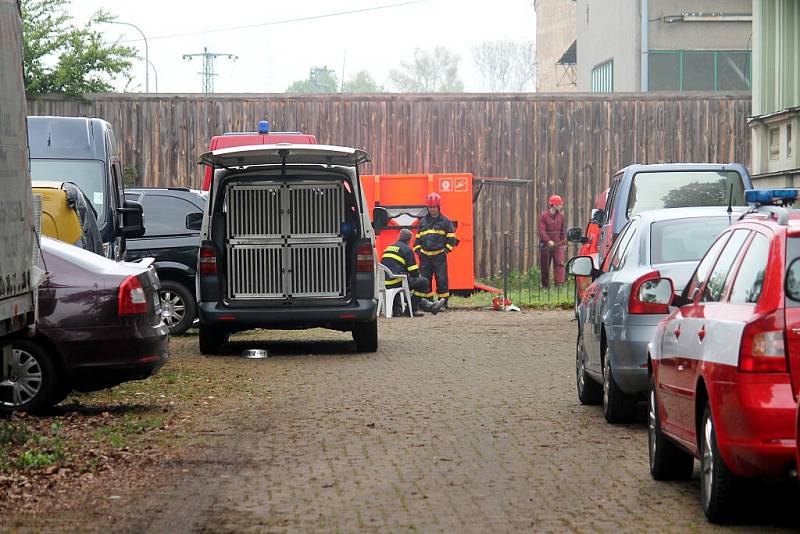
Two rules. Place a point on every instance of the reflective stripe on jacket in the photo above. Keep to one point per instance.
(400, 259)
(435, 235)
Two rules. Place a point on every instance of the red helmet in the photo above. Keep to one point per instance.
(556, 200)
(433, 199)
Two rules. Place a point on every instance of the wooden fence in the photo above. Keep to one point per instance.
(565, 144)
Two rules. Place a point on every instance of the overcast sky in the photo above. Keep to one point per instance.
(270, 57)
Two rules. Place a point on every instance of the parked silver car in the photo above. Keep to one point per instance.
(617, 316)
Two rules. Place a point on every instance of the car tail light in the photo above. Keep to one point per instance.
(365, 258)
(636, 305)
(208, 260)
(763, 349)
(132, 300)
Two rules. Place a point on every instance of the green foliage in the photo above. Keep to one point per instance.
(130, 175)
(320, 80)
(435, 72)
(60, 57)
(362, 82)
(524, 290)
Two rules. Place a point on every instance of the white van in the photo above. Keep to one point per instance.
(286, 242)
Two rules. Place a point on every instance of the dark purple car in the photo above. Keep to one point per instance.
(99, 325)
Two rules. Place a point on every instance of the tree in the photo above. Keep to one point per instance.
(362, 82)
(435, 72)
(320, 80)
(59, 57)
(506, 65)
(698, 194)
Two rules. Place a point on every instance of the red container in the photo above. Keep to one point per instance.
(403, 195)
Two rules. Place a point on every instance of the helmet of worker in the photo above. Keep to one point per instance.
(433, 199)
(556, 200)
(405, 235)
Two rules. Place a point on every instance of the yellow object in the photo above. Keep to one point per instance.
(59, 220)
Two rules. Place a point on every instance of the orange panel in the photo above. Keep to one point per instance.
(404, 196)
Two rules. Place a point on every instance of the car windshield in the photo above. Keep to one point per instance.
(684, 189)
(684, 239)
(86, 174)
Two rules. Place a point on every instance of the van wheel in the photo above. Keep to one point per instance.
(618, 406)
(667, 460)
(366, 336)
(178, 307)
(29, 380)
(718, 485)
(212, 339)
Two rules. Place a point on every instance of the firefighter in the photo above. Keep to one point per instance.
(552, 239)
(436, 238)
(400, 259)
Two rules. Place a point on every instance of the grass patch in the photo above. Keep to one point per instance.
(22, 448)
(525, 290)
(120, 432)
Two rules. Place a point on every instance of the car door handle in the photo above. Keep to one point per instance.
(681, 367)
(702, 333)
(677, 332)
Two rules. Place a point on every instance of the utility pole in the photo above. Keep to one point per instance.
(208, 66)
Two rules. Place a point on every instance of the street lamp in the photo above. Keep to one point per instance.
(155, 73)
(146, 53)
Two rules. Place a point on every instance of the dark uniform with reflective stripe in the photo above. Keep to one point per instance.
(400, 259)
(436, 237)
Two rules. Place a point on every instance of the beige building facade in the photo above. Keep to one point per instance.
(555, 34)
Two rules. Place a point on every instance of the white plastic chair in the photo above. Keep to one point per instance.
(386, 295)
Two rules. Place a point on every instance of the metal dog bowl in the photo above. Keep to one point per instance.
(255, 354)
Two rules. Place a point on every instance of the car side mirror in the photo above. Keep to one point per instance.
(194, 221)
(597, 216)
(575, 235)
(380, 219)
(581, 266)
(132, 219)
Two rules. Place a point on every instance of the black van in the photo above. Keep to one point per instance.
(84, 151)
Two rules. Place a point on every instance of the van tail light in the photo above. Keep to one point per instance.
(131, 300)
(208, 260)
(365, 258)
(638, 306)
(763, 349)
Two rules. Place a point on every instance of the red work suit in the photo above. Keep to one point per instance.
(551, 228)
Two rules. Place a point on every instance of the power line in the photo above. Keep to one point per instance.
(285, 21)
(208, 66)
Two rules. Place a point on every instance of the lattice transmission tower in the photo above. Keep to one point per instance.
(208, 66)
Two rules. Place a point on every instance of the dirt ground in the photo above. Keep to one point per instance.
(466, 422)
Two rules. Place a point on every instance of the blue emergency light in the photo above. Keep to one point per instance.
(263, 127)
(771, 196)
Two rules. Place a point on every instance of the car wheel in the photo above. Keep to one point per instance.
(178, 307)
(718, 485)
(366, 336)
(618, 407)
(667, 460)
(589, 391)
(212, 339)
(28, 379)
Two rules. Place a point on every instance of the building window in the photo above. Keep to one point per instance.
(603, 77)
(699, 70)
(774, 143)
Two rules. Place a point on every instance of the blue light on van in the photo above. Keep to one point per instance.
(263, 127)
(770, 196)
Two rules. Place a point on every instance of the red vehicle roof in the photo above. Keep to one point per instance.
(231, 140)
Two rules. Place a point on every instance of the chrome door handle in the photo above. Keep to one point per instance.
(681, 367)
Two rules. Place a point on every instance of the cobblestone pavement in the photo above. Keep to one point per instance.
(465, 422)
